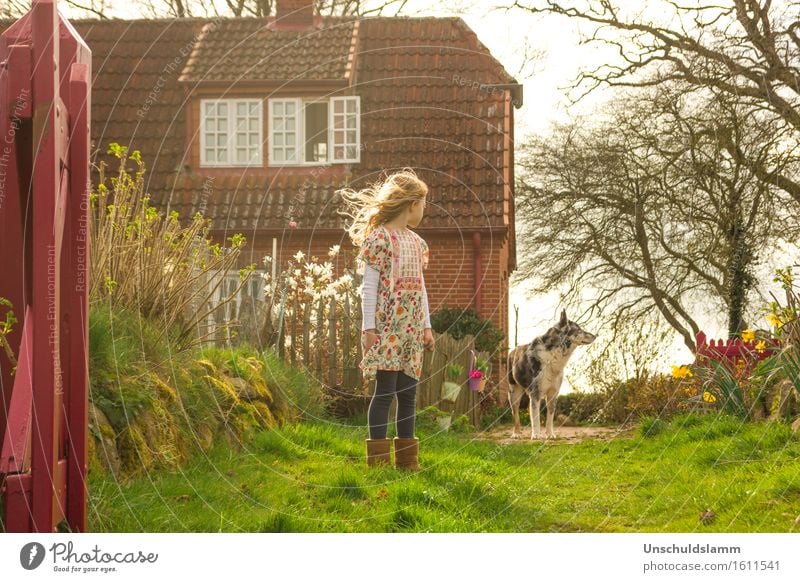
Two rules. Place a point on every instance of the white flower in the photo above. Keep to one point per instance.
(334, 251)
(297, 273)
(299, 256)
(267, 259)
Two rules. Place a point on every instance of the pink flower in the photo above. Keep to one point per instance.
(476, 374)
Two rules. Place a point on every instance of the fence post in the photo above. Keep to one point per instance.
(332, 349)
(306, 328)
(318, 339)
(280, 318)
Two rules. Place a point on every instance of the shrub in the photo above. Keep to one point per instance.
(460, 322)
(148, 262)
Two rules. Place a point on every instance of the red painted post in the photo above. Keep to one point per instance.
(45, 71)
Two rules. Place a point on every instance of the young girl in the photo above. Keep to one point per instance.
(396, 321)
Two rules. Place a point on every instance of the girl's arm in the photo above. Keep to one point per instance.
(425, 307)
(369, 297)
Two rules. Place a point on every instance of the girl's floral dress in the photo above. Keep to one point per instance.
(399, 256)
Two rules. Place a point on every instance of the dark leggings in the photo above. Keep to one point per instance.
(387, 384)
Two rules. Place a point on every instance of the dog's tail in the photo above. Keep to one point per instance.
(510, 367)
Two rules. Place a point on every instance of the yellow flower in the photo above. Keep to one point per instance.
(748, 335)
(773, 320)
(681, 372)
(709, 397)
(761, 347)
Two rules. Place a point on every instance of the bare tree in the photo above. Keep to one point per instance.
(745, 49)
(645, 213)
(264, 8)
(207, 8)
(88, 8)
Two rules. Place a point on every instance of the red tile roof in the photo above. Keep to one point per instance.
(425, 103)
(251, 49)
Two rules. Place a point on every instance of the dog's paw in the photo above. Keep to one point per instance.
(516, 435)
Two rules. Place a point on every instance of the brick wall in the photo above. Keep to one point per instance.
(449, 278)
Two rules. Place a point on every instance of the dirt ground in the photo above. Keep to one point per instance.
(564, 434)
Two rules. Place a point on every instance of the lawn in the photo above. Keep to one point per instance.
(312, 478)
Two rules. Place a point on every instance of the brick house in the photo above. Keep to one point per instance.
(256, 122)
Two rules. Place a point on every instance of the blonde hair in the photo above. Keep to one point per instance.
(381, 202)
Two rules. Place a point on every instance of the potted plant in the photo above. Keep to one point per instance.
(479, 375)
(451, 388)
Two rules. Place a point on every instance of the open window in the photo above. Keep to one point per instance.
(314, 131)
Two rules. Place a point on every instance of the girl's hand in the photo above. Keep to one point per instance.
(368, 338)
(428, 341)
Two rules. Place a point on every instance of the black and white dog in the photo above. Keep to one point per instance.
(538, 368)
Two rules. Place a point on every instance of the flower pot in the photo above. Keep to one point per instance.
(477, 384)
(444, 421)
(450, 391)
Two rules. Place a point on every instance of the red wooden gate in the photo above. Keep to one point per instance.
(45, 71)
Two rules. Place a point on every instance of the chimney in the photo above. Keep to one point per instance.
(294, 13)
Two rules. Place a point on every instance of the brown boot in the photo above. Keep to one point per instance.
(378, 452)
(406, 451)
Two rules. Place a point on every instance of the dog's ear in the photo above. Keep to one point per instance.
(563, 321)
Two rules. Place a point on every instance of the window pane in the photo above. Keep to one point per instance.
(241, 109)
(210, 109)
(277, 108)
(338, 137)
(222, 155)
(254, 108)
(290, 108)
(351, 136)
(290, 123)
(253, 139)
(211, 125)
(290, 139)
(278, 139)
(338, 106)
(351, 122)
(253, 124)
(351, 105)
(209, 155)
(241, 154)
(352, 152)
(223, 124)
(316, 126)
(222, 109)
(279, 124)
(278, 154)
(241, 139)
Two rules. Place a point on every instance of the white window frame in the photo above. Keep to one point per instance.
(232, 133)
(300, 153)
(332, 130)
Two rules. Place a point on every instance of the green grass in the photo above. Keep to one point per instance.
(312, 478)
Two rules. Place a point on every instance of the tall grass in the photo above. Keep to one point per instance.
(151, 263)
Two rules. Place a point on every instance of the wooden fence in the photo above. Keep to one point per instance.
(323, 335)
(733, 351)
